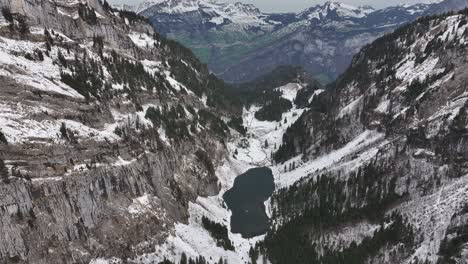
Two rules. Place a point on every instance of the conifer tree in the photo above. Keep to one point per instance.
(3, 138)
(63, 131)
(4, 172)
(6, 12)
(23, 25)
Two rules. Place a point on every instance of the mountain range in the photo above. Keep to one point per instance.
(117, 145)
(240, 43)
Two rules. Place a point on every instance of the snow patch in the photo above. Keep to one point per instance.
(366, 139)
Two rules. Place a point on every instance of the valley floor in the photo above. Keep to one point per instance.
(252, 152)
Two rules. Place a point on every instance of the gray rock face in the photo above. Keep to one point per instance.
(88, 174)
(87, 215)
(63, 15)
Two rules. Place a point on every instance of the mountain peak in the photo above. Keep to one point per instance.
(332, 8)
(209, 12)
(184, 6)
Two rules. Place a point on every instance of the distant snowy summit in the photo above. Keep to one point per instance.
(183, 6)
(336, 9)
(195, 15)
(246, 13)
(137, 8)
(212, 11)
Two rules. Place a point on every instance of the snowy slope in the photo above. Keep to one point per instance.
(101, 134)
(382, 142)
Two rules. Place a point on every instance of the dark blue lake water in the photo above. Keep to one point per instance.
(246, 201)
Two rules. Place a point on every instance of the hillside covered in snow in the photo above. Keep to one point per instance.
(117, 144)
(379, 160)
(107, 132)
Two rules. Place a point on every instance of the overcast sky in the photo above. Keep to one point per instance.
(299, 5)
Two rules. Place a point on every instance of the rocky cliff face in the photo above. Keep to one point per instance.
(240, 44)
(108, 132)
(379, 172)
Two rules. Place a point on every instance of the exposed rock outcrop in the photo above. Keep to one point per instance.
(107, 131)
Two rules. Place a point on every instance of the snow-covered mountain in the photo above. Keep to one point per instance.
(379, 158)
(334, 10)
(138, 7)
(206, 14)
(107, 133)
(116, 144)
(240, 43)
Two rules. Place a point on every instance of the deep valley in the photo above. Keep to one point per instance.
(118, 145)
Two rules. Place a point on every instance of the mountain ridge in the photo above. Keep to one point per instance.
(376, 148)
(105, 126)
(323, 43)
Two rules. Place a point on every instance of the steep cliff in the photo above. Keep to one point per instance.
(108, 131)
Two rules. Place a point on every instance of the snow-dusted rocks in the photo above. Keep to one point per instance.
(330, 9)
(101, 134)
(210, 11)
(388, 138)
